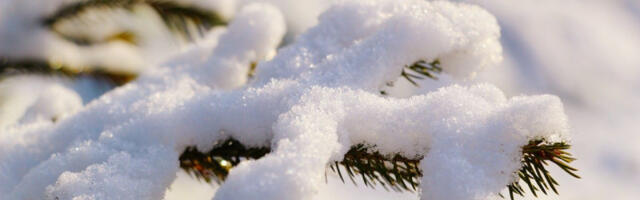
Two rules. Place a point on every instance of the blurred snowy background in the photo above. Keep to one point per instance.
(585, 51)
(588, 53)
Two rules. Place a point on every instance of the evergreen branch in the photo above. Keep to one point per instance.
(423, 69)
(74, 9)
(10, 67)
(180, 19)
(219, 160)
(394, 172)
(418, 71)
(536, 154)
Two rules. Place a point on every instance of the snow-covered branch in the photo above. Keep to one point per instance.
(310, 103)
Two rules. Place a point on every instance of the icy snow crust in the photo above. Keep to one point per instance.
(310, 103)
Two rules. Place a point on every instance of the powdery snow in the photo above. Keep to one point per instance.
(315, 99)
(26, 99)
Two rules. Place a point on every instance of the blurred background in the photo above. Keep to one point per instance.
(58, 55)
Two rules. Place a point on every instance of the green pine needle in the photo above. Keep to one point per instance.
(421, 69)
(392, 172)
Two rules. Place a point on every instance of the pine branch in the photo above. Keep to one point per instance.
(180, 19)
(10, 67)
(394, 172)
(423, 69)
(418, 71)
(536, 154)
(215, 164)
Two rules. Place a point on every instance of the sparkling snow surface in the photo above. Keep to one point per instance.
(319, 95)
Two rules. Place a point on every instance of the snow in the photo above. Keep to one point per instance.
(308, 101)
(26, 99)
(365, 40)
(454, 120)
(586, 52)
(253, 36)
(23, 36)
(299, 15)
(186, 186)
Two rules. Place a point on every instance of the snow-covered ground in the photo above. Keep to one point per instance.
(585, 52)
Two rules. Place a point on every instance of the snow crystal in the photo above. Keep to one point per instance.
(310, 103)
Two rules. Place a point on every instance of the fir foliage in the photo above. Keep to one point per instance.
(215, 164)
(423, 69)
(394, 172)
(418, 71)
(10, 67)
(536, 156)
(181, 19)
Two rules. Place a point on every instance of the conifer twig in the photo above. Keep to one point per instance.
(423, 69)
(394, 172)
(9, 67)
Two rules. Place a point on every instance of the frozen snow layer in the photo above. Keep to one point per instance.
(309, 104)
